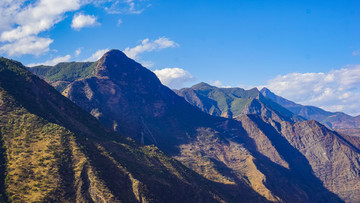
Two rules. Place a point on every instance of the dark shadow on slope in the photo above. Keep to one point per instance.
(85, 184)
(66, 191)
(251, 195)
(347, 140)
(66, 170)
(3, 196)
(202, 191)
(116, 181)
(300, 170)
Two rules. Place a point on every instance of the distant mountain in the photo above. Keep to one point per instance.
(63, 73)
(257, 157)
(53, 151)
(234, 102)
(332, 120)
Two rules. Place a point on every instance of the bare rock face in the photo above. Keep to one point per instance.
(334, 159)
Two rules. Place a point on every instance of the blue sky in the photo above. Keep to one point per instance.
(284, 45)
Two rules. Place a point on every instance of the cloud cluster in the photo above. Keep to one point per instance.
(53, 61)
(337, 90)
(174, 78)
(80, 20)
(148, 46)
(22, 21)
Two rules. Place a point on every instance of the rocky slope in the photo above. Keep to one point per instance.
(253, 158)
(53, 151)
(337, 120)
(234, 102)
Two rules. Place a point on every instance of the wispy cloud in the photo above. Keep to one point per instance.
(356, 52)
(77, 52)
(97, 55)
(119, 22)
(148, 46)
(52, 62)
(124, 6)
(80, 20)
(336, 90)
(174, 78)
(28, 45)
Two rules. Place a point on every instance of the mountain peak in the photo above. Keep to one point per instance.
(111, 62)
(115, 65)
(202, 85)
(265, 90)
(115, 53)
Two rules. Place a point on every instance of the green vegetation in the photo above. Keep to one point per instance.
(226, 102)
(64, 73)
(234, 102)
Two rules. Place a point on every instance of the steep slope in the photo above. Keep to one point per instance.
(53, 151)
(233, 102)
(313, 149)
(332, 120)
(334, 158)
(237, 155)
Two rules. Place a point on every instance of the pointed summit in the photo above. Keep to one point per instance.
(115, 65)
(202, 85)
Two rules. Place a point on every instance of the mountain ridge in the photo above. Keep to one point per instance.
(233, 102)
(330, 119)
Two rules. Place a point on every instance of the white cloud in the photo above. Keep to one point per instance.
(53, 61)
(356, 52)
(97, 55)
(27, 45)
(77, 52)
(148, 46)
(80, 20)
(216, 83)
(22, 21)
(147, 64)
(124, 6)
(119, 22)
(337, 90)
(174, 78)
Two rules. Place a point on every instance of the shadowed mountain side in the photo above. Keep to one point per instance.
(332, 120)
(53, 151)
(130, 99)
(298, 164)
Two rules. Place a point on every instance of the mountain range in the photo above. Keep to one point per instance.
(337, 120)
(257, 151)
